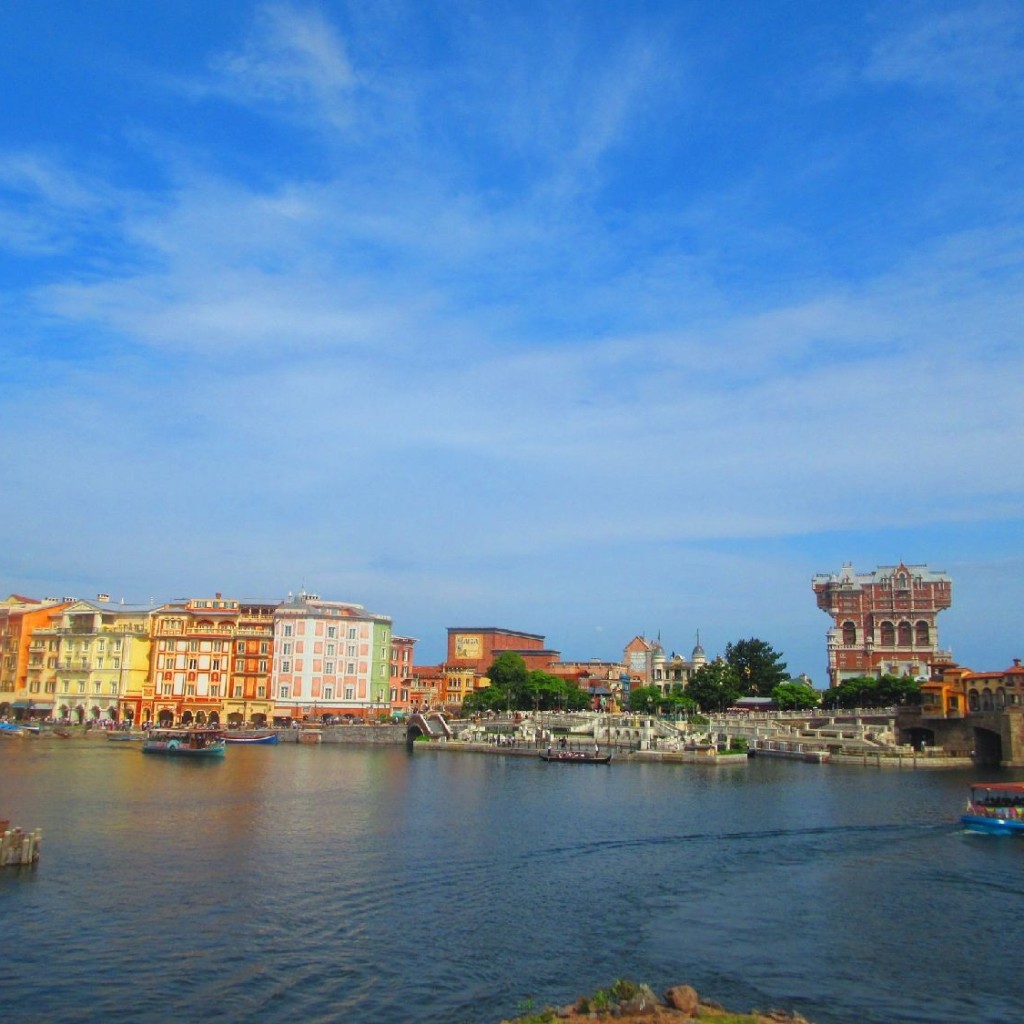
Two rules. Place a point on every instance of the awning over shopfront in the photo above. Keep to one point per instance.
(21, 704)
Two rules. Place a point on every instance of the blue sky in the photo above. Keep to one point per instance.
(585, 319)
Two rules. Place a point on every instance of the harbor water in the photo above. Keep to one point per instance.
(379, 886)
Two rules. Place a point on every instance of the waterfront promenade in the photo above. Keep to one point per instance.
(861, 737)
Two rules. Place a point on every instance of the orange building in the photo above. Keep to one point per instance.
(995, 691)
(19, 618)
(247, 699)
(402, 652)
(191, 660)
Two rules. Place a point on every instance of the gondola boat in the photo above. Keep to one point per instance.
(575, 757)
(185, 742)
(996, 808)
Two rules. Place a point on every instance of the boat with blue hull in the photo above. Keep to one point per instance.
(996, 808)
(260, 739)
(185, 742)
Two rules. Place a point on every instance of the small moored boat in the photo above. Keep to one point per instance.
(996, 808)
(185, 742)
(263, 739)
(575, 757)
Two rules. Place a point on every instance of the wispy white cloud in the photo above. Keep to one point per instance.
(293, 59)
(975, 51)
(45, 207)
(439, 358)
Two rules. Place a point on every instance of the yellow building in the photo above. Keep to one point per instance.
(103, 661)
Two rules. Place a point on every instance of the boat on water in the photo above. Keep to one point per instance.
(575, 757)
(185, 742)
(262, 739)
(996, 808)
(12, 730)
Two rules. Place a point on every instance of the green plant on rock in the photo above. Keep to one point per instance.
(623, 990)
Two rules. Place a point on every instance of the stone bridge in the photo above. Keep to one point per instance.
(432, 725)
(990, 737)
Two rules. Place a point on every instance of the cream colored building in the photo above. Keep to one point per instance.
(102, 660)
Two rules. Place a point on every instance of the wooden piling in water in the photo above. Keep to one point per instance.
(18, 847)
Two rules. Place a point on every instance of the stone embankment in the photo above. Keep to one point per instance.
(629, 1003)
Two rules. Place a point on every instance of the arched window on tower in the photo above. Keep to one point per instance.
(923, 636)
(888, 634)
(849, 633)
(905, 634)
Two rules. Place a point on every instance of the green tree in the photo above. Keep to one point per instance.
(645, 698)
(758, 666)
(873, 692)
(795, 696)
(514, 687)
(714, 687)
(508, 671)
(680, 703)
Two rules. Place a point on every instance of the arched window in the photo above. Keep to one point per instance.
(1000, 699)
(986, 699)
(905, 634)
(923, 636)
(972, 700)
(849, 634)
(888, 634)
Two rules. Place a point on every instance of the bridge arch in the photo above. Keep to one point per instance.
(988, 746)
(918, 737)
(432, 726)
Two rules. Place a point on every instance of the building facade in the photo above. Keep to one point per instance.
(331, 659)
(248, 699)
(476, 647)
(103, 660)
(20, 617)
(191, 661)
(402, 673)
(884, 622)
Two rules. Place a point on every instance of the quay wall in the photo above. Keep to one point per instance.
(361, 734)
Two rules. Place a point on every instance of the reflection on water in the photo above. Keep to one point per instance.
(377, 886)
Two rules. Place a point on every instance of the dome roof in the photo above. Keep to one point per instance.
(698, 651)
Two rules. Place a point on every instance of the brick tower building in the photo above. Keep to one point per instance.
(884, 621)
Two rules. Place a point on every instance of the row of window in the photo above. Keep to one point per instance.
(332, 631)
(284, 693)
(890, 635)
(329, 667)
(287, 648)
